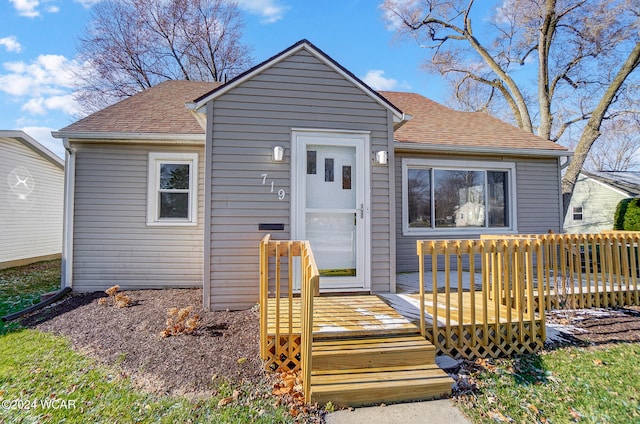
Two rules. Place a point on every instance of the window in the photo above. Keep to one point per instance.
(172, 189)
(577, 213)
(439, 196)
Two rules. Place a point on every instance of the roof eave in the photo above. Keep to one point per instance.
(439, 148)
(128, 136)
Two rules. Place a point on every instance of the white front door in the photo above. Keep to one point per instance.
(331, 205)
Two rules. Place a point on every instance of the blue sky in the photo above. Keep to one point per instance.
(38, 40)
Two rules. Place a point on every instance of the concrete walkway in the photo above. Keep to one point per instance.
(435, 411)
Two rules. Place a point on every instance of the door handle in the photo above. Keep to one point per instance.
(361, 209)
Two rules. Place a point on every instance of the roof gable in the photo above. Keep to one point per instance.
(24, 138)
(627, 182)
(306, 45)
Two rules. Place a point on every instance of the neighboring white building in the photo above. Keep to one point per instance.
(31, 200)
(595, 198)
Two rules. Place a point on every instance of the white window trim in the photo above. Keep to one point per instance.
(467, 165)
(153, 188)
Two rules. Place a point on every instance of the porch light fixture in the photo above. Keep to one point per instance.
(381, 157)
(278, 154)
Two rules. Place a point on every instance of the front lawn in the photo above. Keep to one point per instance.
(571, 384)
(21, 287)
(43, 380)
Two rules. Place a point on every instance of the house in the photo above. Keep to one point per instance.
(595, 197)
(166, 195)
(32, 194)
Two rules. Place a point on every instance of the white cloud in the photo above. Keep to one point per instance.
(392, 10)
(11, 44)
(40, 105)
(53, 9)
(42, 86)
(28, 8)
(43, 136)
(270, 10)
(376, 80)
(47, 74)
(87, 3)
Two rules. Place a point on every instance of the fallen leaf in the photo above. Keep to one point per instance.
(236, 394)
(533, 409)
(575, 414)
(242, 360)
(498, 416)
(225, 401)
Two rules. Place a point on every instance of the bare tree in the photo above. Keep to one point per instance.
(618, 149)
(131, 45)
(586, 53)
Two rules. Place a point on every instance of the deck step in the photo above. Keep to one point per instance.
(371, 352)
(367, 386)
(376, 369)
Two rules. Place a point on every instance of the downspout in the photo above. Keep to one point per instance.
(69, 200)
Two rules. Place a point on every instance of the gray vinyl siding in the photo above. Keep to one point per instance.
(30, 227)
(598, 202)
(298, 92)
(538, 202)
(112, 242)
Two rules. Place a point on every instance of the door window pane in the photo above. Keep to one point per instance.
(333, 241)
(419, 197)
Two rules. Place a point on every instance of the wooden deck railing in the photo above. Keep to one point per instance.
(487, 309)
(277, 265)
(496, 290)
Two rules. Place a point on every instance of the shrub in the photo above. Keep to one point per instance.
(180, 321)
(117, 300)
(632, 216)
(618, 217)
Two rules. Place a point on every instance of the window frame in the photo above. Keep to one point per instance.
(459, 165)
(155, 160)
(573, 213)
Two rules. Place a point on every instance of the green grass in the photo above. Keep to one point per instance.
(21, 287)
(590, 385)
(37, 368)
(43, 380)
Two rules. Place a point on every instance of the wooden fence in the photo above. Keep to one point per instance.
(493, 298)
(285, 342)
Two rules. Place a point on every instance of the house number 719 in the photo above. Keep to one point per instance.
(281, 192)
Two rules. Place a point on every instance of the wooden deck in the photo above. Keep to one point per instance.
(336, 316)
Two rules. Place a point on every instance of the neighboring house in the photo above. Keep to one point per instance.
(595, 198)
(163, 195)
(31, 200)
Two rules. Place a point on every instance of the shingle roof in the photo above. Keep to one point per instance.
(626, 181)
(159, 109)
(433, 123)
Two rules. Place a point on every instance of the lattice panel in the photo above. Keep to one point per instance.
(499, 344)
(278, 358)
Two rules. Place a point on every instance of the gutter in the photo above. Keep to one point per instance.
(440, 148)
(125, 137)
(69, 200)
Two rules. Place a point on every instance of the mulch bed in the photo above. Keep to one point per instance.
(224, 347)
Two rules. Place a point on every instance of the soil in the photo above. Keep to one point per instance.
(596, 327)
(225, 345)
